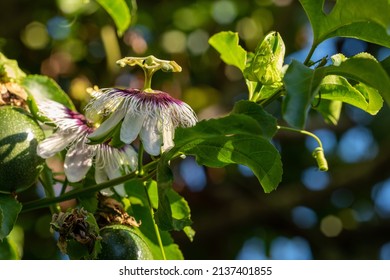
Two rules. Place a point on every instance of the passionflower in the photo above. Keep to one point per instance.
(72, 131)
(151, 115)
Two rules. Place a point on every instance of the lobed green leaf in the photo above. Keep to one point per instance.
(361, 19)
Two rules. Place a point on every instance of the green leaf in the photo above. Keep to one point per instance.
(362, 96)
(266, 92)
(119, 12)
(139, 208)
(302, 83)
(9, 211)
(366, 69)
(266, 121)
(89, 202)
(330, 110)
(226, 43)
(361, 19)
(232, 139)
(173, 211)
(42, 87)
(386, 65)
(267, 62)
(9, 70)
(8, 250)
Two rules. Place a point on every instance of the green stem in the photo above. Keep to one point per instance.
(309, 55)
(318, 152)
(150, 65)
(45, 202)
(148, 79)
(302, 132)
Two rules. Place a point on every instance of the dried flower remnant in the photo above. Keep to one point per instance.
(76, 225)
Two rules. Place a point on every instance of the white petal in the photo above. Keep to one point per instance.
(112, 173)
(107, 192)
(131, 157)
(55, 143)
(131, 127)
(78, 160)
(168, 133)
(108, 125)
(101, 177)
(151, 138)
(120, 189)
(108, 166)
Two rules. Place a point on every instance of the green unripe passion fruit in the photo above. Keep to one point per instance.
(19, 137)
(123, 243)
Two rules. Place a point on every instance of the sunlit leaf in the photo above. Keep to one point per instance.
(362, 96)
(119, 11)
(9, 70)
(365, 69)
(267, 62)
(8, 250)
(266, 92)
(362, 19)
(226, 43)
(42, 87)
(329, 109)
(232, 139)
(9, 211)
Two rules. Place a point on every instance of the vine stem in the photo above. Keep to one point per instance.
(302, 132)
(310, 54)
(46, 202)
(318, 152)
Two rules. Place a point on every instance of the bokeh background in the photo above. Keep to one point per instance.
(340, 214)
